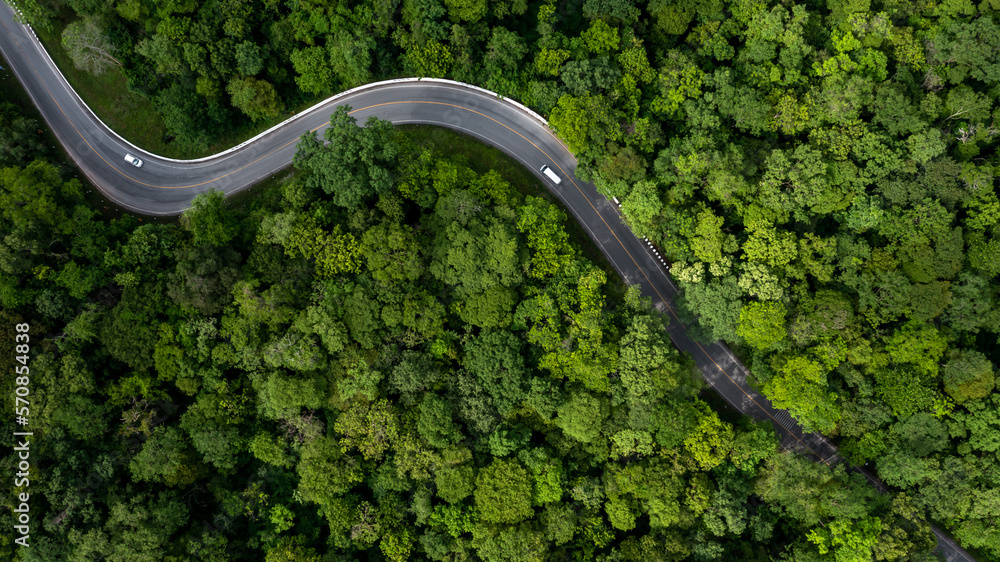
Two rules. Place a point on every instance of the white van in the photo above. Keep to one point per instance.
(133, 160)
(550, 174)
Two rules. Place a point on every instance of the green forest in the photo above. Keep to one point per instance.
(393, 353)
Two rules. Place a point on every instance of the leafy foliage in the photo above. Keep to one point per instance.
(821, 176)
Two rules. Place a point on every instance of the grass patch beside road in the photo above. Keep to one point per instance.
(130, 115)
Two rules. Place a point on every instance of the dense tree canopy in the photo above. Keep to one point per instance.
(821, 176)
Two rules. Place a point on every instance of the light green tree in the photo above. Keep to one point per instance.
(455, 483)
(256, 98)
(680, 79)
(542, 224)
(503, 492)
(368, 427)
(919, 344)
(163, 53)
(711, 440)
(706, 243)
(581, 417)
(850, 541)
(392, 253)
(642, 207)
(432, 59)
(586, 122)
(799, 385)
(600, 38)
(769, 245)
(762, 324)
(469, 11)
(549, 61)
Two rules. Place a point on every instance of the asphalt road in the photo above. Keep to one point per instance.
(164, 186)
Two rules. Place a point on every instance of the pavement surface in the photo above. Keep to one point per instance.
(164, 186)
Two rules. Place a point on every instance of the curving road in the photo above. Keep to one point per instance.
(164, 186)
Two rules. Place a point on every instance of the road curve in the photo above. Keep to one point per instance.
(164, 186)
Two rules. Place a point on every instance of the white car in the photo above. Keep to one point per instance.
(133, 160)
(551, 175)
